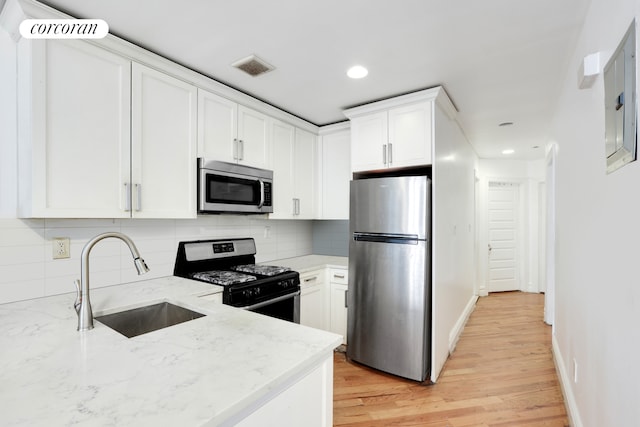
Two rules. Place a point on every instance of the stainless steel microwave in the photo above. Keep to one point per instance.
(233, 188)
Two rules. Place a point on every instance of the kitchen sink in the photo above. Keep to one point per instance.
(138, 321)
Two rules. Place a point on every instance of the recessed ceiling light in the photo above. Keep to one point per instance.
(357, 72)
(508, 151)
(505, 124)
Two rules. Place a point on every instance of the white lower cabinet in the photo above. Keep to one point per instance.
(338, 280)
(312, 299)
(323, 300)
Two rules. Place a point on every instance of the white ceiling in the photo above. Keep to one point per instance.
(499, 60)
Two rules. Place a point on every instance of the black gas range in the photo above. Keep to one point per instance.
(230, 263)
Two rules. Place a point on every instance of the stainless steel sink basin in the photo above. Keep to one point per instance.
(138, 321)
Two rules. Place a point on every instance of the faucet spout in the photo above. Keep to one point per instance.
(83, 303)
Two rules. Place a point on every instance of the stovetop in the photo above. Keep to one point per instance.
(262, 270)
(239, 274)
(222, 277)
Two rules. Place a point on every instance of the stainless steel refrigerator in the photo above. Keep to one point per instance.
(389, 294)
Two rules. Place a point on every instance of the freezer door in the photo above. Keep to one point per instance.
(392, 205)
(389, 313)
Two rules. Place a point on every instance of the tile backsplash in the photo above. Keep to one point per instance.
(28, 270)
(331, 238)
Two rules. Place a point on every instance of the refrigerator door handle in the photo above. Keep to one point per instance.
(406, 239)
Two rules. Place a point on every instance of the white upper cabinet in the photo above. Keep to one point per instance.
(102, 137)
(163, 149)
(231, 132)
(409, 142)
(334, 174)
(74, 127)
(391, 135)
(369, 142)
(304, 173)
(282, 142)
(293, 163)
(253, 138)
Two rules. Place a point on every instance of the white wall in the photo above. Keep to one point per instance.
(529, 175)
(453, 237)
(597, 316)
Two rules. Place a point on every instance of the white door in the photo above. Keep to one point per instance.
(503, 233)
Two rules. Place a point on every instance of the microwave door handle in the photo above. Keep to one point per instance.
(261, 193)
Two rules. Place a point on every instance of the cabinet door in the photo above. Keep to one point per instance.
(163, 150)
(410, 135)
(335, 175)
(217, 127)
(339, 310)
(76, 150)
(313, 308)
(253, 138)
(369, 142)
(282, 140)
(304, 172)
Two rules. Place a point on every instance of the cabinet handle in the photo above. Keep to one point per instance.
(339, 276)
(296, 206)
(241, 151)
(311, 279)
(345, 298)
(390, 153)
(127, 198)
(384, 154)
(235, 148)
(138, 197)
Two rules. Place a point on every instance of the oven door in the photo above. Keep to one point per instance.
(285, 307)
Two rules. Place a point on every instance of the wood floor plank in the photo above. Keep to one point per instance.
(501, 374)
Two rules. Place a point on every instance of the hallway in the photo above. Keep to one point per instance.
(500, 374)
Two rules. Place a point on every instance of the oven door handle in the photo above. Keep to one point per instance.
(271, 301)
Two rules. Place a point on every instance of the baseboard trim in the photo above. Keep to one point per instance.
(455, 333)
(565, 385)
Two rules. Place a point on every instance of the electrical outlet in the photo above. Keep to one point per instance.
(61, 248)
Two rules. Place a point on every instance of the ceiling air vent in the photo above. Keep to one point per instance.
(253, 65)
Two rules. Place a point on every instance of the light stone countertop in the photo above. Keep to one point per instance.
(303, 264)
(209, 371)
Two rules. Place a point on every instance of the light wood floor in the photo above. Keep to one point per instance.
(501, 374)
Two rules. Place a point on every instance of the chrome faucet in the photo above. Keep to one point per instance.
(83, 304)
